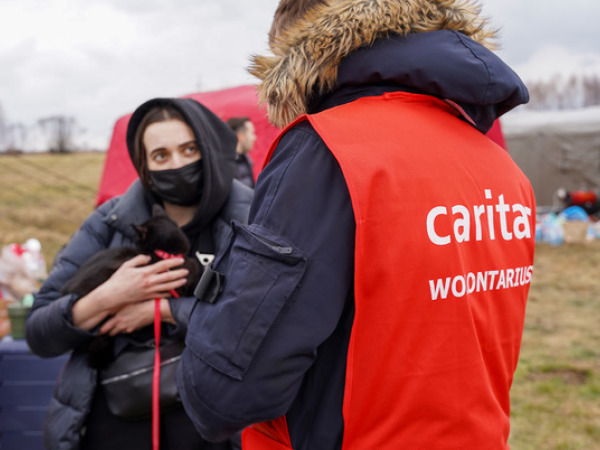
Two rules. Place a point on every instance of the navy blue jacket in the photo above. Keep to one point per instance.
(275, 341)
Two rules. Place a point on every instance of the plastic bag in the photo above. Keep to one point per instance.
(551, 230)
(574, 213)
(22, 269)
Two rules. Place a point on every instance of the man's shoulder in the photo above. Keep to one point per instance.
(302, 128)
(301, 136)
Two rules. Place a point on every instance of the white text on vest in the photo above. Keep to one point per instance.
(465, 218)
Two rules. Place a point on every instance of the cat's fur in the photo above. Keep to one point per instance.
(157, 233)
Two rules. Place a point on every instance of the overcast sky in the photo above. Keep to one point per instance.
(96, 60)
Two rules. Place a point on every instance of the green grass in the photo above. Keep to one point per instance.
(47, 196)
(556, 390)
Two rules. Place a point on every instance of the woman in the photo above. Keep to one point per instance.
(184, 155)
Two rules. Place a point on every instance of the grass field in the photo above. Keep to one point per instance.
(556, 392)
(47, 196)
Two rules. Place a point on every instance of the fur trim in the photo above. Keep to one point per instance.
(307, 54)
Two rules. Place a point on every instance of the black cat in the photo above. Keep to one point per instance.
(158, 234)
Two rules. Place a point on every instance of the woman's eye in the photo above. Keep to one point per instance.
(191, 150)
(158, 157)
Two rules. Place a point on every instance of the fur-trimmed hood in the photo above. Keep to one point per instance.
(307, 55)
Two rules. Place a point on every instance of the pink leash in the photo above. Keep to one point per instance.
(156, 379)
(156, 372)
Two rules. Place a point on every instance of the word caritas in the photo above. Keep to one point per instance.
(464, 219)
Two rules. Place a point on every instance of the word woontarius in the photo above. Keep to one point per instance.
(480, 220)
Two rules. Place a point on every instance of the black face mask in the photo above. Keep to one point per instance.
(182, 186)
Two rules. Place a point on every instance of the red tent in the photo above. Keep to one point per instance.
(496, 134)
(226, 103)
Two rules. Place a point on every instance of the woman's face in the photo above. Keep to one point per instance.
(170, 145)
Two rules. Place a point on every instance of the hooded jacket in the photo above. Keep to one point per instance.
(293, 294)
(50, 329)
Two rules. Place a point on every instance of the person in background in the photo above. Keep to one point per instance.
(246, 134)
(380, 284)
(184, 156)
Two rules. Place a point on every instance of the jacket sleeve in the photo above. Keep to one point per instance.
(50, 330)
(287, 277)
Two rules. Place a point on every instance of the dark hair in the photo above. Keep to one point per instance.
(237, 123)
(288, 12)
(155, 114)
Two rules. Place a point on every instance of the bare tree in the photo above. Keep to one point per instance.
(577, 91)
(592, 90)
(3, 130)
(17, 136)
(60, 130)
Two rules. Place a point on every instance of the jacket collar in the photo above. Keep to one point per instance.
(133, 207)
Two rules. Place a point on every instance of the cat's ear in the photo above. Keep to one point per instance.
(140, 231)
(158, 211)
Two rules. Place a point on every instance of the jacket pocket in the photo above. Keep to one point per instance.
(261, 271)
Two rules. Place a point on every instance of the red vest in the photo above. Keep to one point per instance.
(445, 225)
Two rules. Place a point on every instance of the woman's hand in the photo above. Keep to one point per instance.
(130, 318)
(134, 316)
(133, 282)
